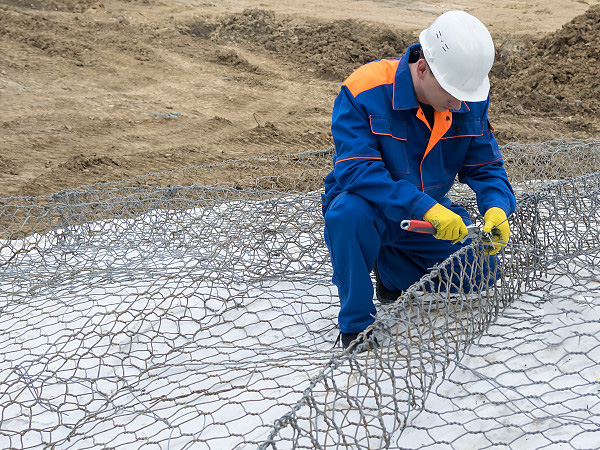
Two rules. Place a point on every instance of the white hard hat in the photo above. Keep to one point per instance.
(460, 53)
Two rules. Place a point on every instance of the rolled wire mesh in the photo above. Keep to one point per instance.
(194, 309)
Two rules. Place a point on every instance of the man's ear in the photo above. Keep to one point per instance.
(422, 68)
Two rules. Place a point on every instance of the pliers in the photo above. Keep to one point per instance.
(422, 226)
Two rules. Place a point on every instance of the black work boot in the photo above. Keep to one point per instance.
(360, 345)
(383, 294)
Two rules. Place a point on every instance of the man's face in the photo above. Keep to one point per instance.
(433, 94)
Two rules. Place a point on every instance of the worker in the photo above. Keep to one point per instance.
(403, 130)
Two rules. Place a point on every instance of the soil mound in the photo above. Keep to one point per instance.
(331, 50)
(555, 75)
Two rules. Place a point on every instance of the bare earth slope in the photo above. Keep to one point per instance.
(100, 91)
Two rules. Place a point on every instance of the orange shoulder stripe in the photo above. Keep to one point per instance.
(372, 75)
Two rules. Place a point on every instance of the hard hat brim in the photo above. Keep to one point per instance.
(478, 95)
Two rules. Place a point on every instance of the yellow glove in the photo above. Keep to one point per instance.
(496, 224)
(449, 225)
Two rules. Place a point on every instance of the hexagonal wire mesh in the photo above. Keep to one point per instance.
(194, 309)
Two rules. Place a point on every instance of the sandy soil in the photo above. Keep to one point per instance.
(100, 91)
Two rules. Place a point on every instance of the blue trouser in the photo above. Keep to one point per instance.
(357, 234)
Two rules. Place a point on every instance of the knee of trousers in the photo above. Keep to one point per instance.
(350, 212)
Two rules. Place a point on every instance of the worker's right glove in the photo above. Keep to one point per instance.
(448, 224)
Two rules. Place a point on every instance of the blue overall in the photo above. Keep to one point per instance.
(390, 165)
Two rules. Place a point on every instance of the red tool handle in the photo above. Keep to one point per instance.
(418, 226)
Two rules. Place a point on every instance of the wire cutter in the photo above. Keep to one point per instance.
(422, 226)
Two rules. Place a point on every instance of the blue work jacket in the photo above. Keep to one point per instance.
(387, 153)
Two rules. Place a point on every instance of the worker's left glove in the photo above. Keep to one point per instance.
(496, 224)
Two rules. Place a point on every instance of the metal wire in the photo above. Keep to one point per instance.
(194, 309)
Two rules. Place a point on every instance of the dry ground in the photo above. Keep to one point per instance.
(100, 91)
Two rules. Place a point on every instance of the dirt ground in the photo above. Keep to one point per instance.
(100, 91)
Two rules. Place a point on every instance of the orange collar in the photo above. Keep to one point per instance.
(441, 123)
